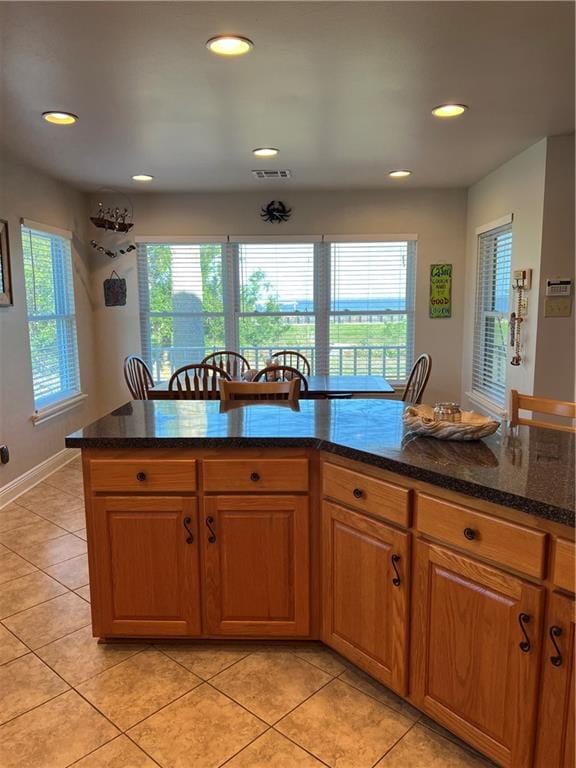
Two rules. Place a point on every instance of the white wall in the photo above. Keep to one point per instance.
(436, 216)
(517, 187)
(26, 193)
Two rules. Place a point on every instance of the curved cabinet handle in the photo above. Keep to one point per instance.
(554, 632)
(358, 493)
(186, 523)
(141, 477)
(209, 523)
(396, 580)
(523, 620)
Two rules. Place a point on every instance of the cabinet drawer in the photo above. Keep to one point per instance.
(564, 564)
(255, 475)
(366, 493)
(506, 543)
(143, 475)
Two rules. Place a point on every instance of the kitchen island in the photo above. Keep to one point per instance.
(440, 569)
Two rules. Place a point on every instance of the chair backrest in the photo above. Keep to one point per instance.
(232, 362)
(138, 377)
(196, 382)
(263, 390)
(417, 380)
(293, 360)
(562, 408)
(282, 373)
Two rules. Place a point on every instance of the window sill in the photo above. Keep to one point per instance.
(51, 411)
(489, 406)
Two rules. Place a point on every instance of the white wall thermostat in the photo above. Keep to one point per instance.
(559, 287)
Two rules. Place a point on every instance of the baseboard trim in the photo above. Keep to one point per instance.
(32, 477)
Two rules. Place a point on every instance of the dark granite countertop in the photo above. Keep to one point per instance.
(532, 471)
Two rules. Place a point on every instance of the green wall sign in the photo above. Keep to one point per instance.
(441, 290)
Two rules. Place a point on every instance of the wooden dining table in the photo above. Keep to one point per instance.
(319, 387)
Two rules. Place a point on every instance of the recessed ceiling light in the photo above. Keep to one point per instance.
(449, 110)
(400, 173)
(60, 118)
(265, 151)
(229, 45)
(142, 177)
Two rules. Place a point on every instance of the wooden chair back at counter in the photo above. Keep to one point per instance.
(138, 377)
(563, 408)
(282, 373)
(233, 363)
(264, 390)
(417, 380)
(292, 359)
(197, 382)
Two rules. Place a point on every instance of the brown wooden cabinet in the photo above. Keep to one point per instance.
(145, 566)
(476, 652)
(366, 588)
(556, 744)
(256, 561)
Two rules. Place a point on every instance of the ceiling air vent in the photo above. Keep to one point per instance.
(282, 174)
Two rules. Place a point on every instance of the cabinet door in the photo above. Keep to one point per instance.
(365, 593)
(556, 745)
(144, 570)
(475, 652)
(256, 563)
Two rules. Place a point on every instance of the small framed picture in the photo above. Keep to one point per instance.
(5, 285)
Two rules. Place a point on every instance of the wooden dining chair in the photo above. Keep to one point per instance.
(138, 377)
(197, 382)
(563, 408)
(233, 363)
(293, 360)
(282, 373)
(263, 390)
(417, 380)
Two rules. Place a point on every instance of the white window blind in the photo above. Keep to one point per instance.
(348, 307)
(372, 308)
(491, 326)
(51, 316)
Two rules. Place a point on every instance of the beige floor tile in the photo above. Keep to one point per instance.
(47, 622)
(322, 657)
(70, 520)
(79, 656)
(202, 729)
(3, 550)
(81, 533)
(30, 534)
(344, 727)
(67, 479)
(54, 735)
(84, 592)
(371, 687)
(22, 593)
(205, 659)
(15, 516)
(54, 550)
(44, 497)
(12, 566)
(270, 684)
(421, 748)
(10, 647)
(25, 683)
(272, 750)
(430, 724)
(138, 687)
(72, 573)
(120, 753)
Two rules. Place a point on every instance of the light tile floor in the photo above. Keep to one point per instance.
(67, 701)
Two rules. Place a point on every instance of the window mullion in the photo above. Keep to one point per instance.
(231, 285)
(322, 306)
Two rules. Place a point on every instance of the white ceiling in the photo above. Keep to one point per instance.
(344, 89)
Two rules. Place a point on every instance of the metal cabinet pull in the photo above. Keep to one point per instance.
(186, 522)
(141, 477)
(470, 534)
(396, 580)
(254, 477)
(209, 523)
(555, 632)
(524, 645)
(358, 493)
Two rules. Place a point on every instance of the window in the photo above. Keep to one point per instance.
(51, 316)
(348, 307)
(489, 361)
